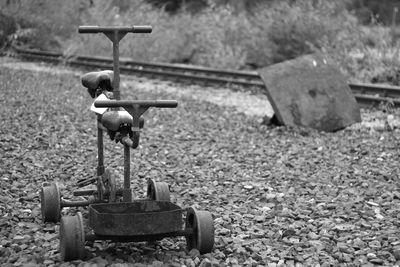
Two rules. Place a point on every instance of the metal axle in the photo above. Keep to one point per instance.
(138, 238)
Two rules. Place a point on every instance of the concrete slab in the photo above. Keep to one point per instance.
(310, 91)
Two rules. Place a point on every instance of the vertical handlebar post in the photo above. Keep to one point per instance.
(115, 36)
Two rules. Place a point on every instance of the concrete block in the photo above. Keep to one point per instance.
(310, 91)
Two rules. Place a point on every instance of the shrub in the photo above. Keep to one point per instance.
(375, 59)
(9, 26)
(219, 35)
(207, 38)
(293, 29)
(166, 43)
(43, 24)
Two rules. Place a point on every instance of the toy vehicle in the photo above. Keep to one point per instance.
(113, 214)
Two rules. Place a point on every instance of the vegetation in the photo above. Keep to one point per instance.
(238, 34)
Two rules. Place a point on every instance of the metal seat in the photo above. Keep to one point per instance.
(98, 79)
(112, 120)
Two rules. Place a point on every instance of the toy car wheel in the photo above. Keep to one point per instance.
(50, 201)
(158, 191)
(72, 238)
(202, 225)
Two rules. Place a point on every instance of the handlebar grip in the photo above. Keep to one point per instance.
(166, 104)
(142, 29)
(88, 29)
(108, 29)
(141, 103)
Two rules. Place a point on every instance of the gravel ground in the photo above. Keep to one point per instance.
(280, 196)
(249, 104)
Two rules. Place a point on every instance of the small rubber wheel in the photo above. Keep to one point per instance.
(158, 191)
(50, 201)
(202, 225)
(72, 238)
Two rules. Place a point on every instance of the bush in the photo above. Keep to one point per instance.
(43, 24)
(166, 43)
(9, 27)
(293, 29)
(376, 58)
(206, 38)
(220, 36)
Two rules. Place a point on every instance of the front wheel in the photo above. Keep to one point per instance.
(72, 238)
(202, 228)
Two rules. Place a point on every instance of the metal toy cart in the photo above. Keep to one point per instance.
(113, 214)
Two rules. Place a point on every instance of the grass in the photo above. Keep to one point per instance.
(218, 36)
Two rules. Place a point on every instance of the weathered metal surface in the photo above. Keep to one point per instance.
(72, 238)
(138, 238)
(137, 218)
(127, 193)
(202, 237)
(310, 91)
(100, 149)
(77, 203)
(50, 201)
(158, 190)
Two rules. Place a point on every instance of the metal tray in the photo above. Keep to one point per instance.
(138, 218)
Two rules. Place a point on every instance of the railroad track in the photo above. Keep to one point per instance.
(365, 94)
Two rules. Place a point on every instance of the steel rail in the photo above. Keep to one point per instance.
(369, 94)
(141, 64)
(130, 70)
(174, 67)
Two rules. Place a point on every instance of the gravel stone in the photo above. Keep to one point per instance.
(371, 256)
(374, 244)
(396, 254)
(358, 243)
(377, 261)
(312, 198)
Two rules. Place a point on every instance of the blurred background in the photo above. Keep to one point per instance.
(361, 36)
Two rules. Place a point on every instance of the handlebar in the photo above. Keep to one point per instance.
(108, 29)
(131, 103)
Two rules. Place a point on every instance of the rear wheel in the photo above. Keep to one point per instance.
(158, 191)
(202, 226)
(72, 238)
(50, 201)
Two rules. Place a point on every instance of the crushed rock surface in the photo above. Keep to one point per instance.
(247, 103)
(280, 196)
